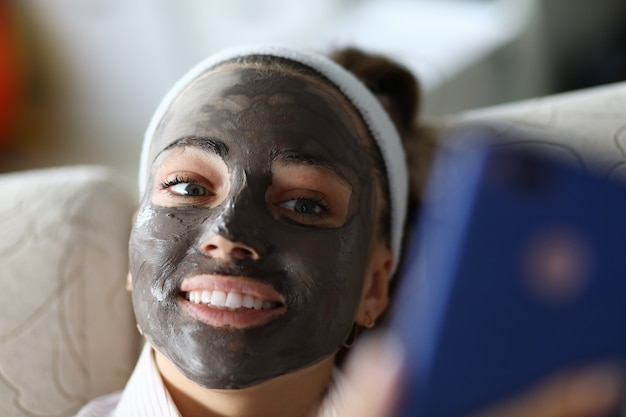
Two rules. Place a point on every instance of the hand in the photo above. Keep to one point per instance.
(374, 373)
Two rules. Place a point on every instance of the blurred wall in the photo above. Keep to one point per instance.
(96, 69)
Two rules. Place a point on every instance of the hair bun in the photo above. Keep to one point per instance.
(394, 86)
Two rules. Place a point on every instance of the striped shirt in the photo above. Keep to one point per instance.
(145, 395)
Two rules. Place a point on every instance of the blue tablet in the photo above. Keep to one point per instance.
(516, 270)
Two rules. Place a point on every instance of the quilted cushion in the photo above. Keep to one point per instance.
(67, 331)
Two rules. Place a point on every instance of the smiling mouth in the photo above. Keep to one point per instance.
(230, 301)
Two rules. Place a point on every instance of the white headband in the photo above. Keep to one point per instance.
(375, 117)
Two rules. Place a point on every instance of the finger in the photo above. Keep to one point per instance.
(591, 392)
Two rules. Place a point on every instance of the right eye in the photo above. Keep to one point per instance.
(185, 190)
(189, 189)
(189, 177)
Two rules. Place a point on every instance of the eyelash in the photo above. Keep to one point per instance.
(165, 184)
(168, 185)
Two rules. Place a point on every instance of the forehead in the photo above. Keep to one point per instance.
(249, 100)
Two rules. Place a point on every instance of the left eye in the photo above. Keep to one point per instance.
(188, 189)
(304, 206)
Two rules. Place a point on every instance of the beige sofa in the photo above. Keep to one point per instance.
(67, 332)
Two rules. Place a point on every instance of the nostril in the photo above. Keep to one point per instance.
(242, 253)
(220, 247)
(214, 250)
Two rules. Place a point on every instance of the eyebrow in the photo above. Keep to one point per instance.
(298, 158)
(208, 144)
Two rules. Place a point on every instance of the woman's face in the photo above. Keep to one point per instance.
(251, 244)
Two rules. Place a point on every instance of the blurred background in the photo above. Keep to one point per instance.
(79, 79)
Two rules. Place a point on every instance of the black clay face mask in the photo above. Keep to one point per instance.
(251, 243)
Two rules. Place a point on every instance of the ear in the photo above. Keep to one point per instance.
(375, 295)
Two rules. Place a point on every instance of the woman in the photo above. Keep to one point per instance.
(274, 195)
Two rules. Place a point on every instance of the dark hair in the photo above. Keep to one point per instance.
(394, 85)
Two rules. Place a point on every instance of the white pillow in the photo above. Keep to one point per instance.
(67, 332)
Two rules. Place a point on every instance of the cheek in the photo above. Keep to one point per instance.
(158, 242)
(329, 266)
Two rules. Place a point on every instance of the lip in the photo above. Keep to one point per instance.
(226, 318)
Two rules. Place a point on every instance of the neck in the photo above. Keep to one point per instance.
(292, 395)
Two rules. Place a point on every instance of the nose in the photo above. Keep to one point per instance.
(220, 247)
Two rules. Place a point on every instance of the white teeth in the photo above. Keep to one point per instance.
(231, 300)
(218, 299)
(248, 301)
(234, 300)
